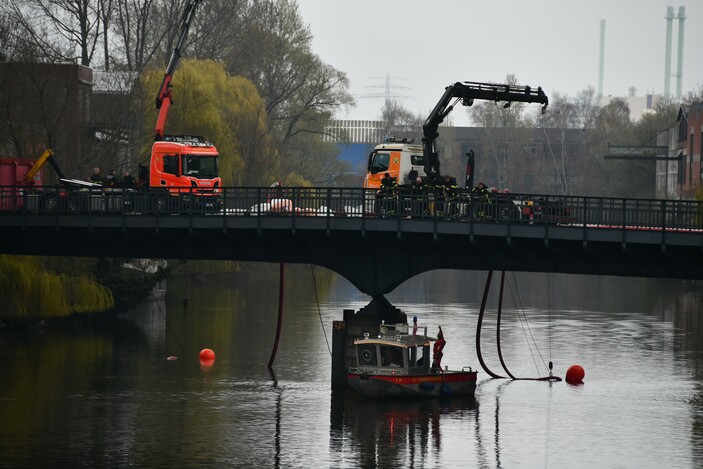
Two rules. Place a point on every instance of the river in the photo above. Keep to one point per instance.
(101, 392)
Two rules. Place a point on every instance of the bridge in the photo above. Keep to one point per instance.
(376, 242)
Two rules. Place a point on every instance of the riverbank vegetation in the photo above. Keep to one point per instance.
(30, 290)
(50, 287)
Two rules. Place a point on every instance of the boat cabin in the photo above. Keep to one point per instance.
(395, 351)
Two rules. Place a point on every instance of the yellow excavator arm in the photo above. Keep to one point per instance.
(38, 165)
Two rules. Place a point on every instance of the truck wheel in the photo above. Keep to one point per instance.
(161, 202)
(509, 214)
(49, 203)
(74, 203)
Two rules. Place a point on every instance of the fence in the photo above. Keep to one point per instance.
(458, 205)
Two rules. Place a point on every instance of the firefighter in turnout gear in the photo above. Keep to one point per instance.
(387, 195)
(480, 197)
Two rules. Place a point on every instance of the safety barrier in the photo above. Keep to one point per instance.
(459, 205)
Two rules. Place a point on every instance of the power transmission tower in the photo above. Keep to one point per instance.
(388, 86)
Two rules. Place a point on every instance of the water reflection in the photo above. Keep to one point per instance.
(395, 433)
(97, 394)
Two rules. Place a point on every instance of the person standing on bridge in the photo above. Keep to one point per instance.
(386, 195)
(96, 177)
(127, 180)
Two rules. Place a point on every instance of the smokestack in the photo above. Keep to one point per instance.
(667, 58)
(601, 68)
(679, 61)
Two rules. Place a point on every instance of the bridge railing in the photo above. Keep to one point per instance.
(458, 205)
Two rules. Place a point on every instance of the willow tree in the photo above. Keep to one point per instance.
(227, 110)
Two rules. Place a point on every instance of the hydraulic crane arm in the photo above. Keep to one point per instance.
(163, 99)
(467, 92)
(47, 156)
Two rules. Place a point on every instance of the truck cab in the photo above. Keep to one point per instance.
(183, 165)
(397, 157)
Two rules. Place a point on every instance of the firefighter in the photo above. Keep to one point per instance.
(387, 194)
(451, 193)
(437, 352)
(480, 197)
(388, 183)
(111, 179)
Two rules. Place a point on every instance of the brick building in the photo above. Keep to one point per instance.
(681, 176)
(46, 105)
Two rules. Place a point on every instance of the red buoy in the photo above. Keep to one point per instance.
(207, 354)
(575, 374)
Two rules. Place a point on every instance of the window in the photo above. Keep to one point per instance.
(417, 356)
(171, 164)
(367, 355)
(392, 356)
(417, 160)
(203, 167)
(379, 162)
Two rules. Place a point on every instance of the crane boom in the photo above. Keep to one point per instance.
(467, 92)
(164, 99)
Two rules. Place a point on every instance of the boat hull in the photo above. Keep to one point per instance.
(457, 383)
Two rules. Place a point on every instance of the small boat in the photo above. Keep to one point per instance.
(398, 363)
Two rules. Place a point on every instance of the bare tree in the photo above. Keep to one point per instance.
(507, 132)
(398, 120)
(75, 24)
(300, 91)
(139, 32)
(105, 14)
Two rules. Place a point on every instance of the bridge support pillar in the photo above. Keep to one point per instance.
(367, 319)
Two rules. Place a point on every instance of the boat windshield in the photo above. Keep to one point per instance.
(417, 356)
(392, 356)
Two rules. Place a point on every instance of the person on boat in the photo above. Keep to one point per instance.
(437, 352)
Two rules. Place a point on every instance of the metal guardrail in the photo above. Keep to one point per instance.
(460, 206)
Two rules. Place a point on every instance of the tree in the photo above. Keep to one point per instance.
(226, 109)
(507, 134)
(398, 120)
(69, 29)
(554, 123)
(301, 92)
(139, 31)
(615, 178)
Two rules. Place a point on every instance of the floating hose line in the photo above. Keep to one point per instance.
(549, 320)
(281, 285)
(500, 312)
(478, 327)
(526, 327)
(498, 344)
(319, 313)
(168, 326)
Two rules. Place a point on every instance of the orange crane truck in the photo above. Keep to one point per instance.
(404, 160)
(183, 169)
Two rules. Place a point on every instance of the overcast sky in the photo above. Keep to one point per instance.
(425, 45)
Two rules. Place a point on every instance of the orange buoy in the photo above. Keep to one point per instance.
(207, 354)
(575, 374)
